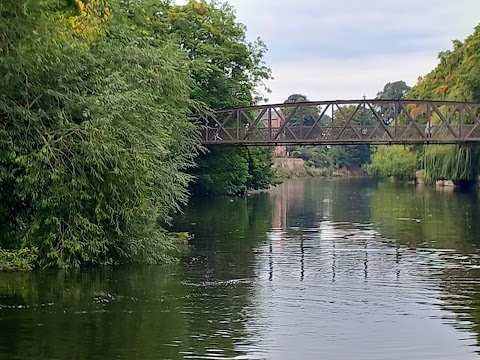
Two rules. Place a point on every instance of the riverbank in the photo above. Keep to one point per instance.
(294, 168)
(421, 179)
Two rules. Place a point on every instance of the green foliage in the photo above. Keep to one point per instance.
(21, 259)
(455, 78)
(321, 156)
(339, 156)
(335, 156)
(233, 170)
(350, 155)
(451, 162)
(398, 161)
(94, 138)
(395, 90)
(221, 171)
(448, 80)
(317, 156)
(226, 71)
(260, 167)
(306, 115)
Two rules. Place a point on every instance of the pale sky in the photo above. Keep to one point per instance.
(344, 49)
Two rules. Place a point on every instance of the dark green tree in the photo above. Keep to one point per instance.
(226, 71)
(394, 90)
(352, 155)
(305, 115)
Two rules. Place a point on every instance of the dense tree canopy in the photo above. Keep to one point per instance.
(456, 77)
(227, 71)
(395, 90)
(94, 134)
(95, 139)
(392, 90)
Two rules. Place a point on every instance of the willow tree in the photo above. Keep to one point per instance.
(94, 135)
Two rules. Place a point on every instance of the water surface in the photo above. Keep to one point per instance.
(314, 269)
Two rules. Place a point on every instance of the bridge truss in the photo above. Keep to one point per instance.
(343, 122)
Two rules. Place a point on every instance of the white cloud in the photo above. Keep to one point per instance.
(282, 19)
(331, 79)
(347, 48)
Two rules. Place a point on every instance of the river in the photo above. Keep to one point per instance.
(313, 269)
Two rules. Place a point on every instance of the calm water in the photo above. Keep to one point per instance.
(315, 269)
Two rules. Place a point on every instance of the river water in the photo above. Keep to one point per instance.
(314, 269)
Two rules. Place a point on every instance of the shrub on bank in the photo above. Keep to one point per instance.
(22, 259)
(397, 161)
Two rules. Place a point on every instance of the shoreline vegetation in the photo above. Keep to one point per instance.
(294, 168)
(97, 152)
(96, 147)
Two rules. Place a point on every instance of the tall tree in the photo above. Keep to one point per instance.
(226, 71)
(306, 115)
(395, 90)
(454, 78)
(352, 155)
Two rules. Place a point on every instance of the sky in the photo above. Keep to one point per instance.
(347, 49)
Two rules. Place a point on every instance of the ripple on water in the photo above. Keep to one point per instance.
(330, 277)
(355, 283)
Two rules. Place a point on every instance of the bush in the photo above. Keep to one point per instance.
(22, 259)
(398, 161)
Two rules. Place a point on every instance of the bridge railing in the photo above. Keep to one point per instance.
(344, 122)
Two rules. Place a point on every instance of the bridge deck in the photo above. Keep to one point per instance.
(344, 122)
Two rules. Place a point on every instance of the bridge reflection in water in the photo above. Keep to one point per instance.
(317, 233)
(343, 122)
(342, 270)
(312, 220)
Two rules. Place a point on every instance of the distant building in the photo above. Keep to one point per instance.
(276, 123)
